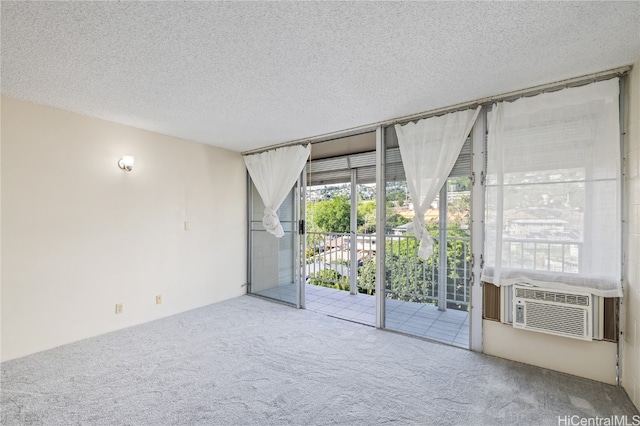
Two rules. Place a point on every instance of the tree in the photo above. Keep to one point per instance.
(331, 215)
(395, 220)
(367, 214)
(367, 276)
(334, 215)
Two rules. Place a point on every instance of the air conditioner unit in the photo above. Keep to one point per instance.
(556, 312)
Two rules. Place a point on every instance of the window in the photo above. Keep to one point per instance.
(553, 191)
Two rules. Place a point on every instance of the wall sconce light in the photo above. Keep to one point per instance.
(126, 162)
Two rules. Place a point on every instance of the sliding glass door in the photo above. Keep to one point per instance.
(275, 263)
(428, 298)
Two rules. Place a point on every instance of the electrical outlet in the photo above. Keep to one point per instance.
(159, 299)
(118, 308)
(187, 225)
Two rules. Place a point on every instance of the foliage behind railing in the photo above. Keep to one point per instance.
(411, 278)
(328, 254)
(407, 276)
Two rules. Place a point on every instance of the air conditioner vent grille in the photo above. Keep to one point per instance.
(543, 310)
(552, 296)
(567, 320)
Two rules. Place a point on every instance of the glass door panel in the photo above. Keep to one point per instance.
(428, 297)
(275, 262)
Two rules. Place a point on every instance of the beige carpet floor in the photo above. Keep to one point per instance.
(248, 361)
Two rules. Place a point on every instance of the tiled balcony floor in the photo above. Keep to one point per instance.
(360, 308)
(450, 326)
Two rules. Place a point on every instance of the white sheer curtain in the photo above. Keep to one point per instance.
(553, 191)
(429, 149)
(274, 173)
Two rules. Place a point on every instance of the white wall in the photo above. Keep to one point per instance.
(595, 360)
(631, 339)
(80, 235)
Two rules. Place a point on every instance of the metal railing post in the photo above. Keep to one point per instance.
(442, 250)
(380, 226)
(353, 238)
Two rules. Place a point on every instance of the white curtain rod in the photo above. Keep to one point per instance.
(532, 91)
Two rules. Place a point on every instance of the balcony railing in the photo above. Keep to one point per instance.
(407, 276)
(329, 259)
(542, 255)
(411, 278)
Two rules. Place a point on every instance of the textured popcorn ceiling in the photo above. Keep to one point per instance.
(248, 75)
